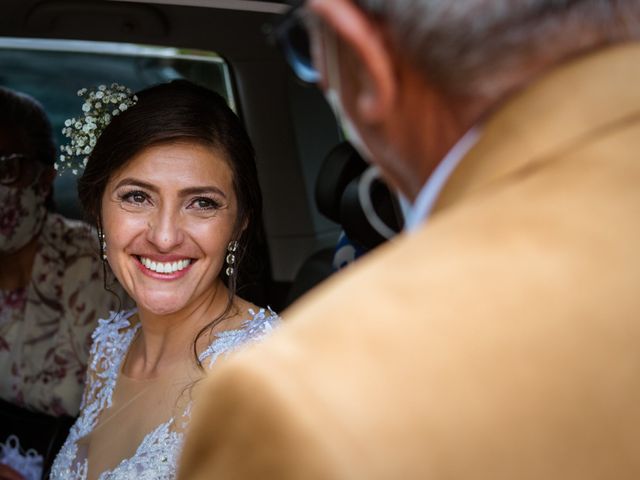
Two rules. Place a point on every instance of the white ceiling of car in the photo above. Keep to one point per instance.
(244, 5)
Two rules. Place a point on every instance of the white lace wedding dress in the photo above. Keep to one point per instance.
(157, 455)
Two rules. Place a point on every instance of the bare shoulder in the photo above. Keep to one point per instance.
(242, 307)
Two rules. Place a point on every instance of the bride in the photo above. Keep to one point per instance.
(172, 187)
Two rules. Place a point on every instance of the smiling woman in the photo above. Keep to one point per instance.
(170, 214)
(171, 185)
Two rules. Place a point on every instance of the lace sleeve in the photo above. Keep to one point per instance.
(256, 327)
(90, 380)
(253, 329)
(95, 367)
(110, 340)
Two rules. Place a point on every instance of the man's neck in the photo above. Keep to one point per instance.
(426, 199)
(427, 126)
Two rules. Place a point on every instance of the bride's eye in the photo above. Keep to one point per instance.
(135, 197)
(204, 203)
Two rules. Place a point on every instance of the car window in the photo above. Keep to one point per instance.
(53, 71)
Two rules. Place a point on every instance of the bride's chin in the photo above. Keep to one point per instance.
(160, 306)
(161, 311)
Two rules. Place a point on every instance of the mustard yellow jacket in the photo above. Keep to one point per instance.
(501, 341)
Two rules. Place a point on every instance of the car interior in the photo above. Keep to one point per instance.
(52, 48)
(311, 178)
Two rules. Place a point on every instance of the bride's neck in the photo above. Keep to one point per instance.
(167, 340)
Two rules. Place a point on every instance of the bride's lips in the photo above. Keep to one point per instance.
(165, 267)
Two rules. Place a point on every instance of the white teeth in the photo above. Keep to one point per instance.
(169, 267)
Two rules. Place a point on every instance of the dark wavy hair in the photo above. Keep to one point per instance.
(174, 112)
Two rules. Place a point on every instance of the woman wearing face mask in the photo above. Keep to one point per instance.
(51, 292)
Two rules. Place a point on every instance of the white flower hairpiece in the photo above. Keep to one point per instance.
(101, 104)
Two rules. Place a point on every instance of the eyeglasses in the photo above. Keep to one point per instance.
(16, 167)
(292, 36)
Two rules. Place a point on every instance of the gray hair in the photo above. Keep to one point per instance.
(484, 48)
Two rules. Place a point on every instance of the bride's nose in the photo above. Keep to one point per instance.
(165, 230)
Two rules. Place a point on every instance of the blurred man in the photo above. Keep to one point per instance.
(499, 338)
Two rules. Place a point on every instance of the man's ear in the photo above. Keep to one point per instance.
(364, 40)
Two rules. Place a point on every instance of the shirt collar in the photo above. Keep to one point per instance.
(428, 195)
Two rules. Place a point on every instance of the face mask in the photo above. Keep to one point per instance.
(333, 96)
(22, 212)
(353, 136)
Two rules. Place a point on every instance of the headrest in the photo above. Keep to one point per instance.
(356, 223)
(340, 166)
(338, 197)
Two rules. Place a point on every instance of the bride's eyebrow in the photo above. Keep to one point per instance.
(133, 182)
(201, 191)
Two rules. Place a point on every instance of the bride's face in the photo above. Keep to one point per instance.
(168, 216)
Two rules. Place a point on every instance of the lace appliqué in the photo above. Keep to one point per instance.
(156, 457)
(259, 325)
(28, 465)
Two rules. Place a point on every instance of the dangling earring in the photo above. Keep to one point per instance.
(103, 246)
(232, 248)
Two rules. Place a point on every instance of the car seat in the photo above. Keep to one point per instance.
(339, 196)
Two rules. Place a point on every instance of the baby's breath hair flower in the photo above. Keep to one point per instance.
(98, 110)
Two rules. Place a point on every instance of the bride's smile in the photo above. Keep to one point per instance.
(170, 214)
(164, 268)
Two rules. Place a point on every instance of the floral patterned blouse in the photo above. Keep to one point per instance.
(45, 328)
